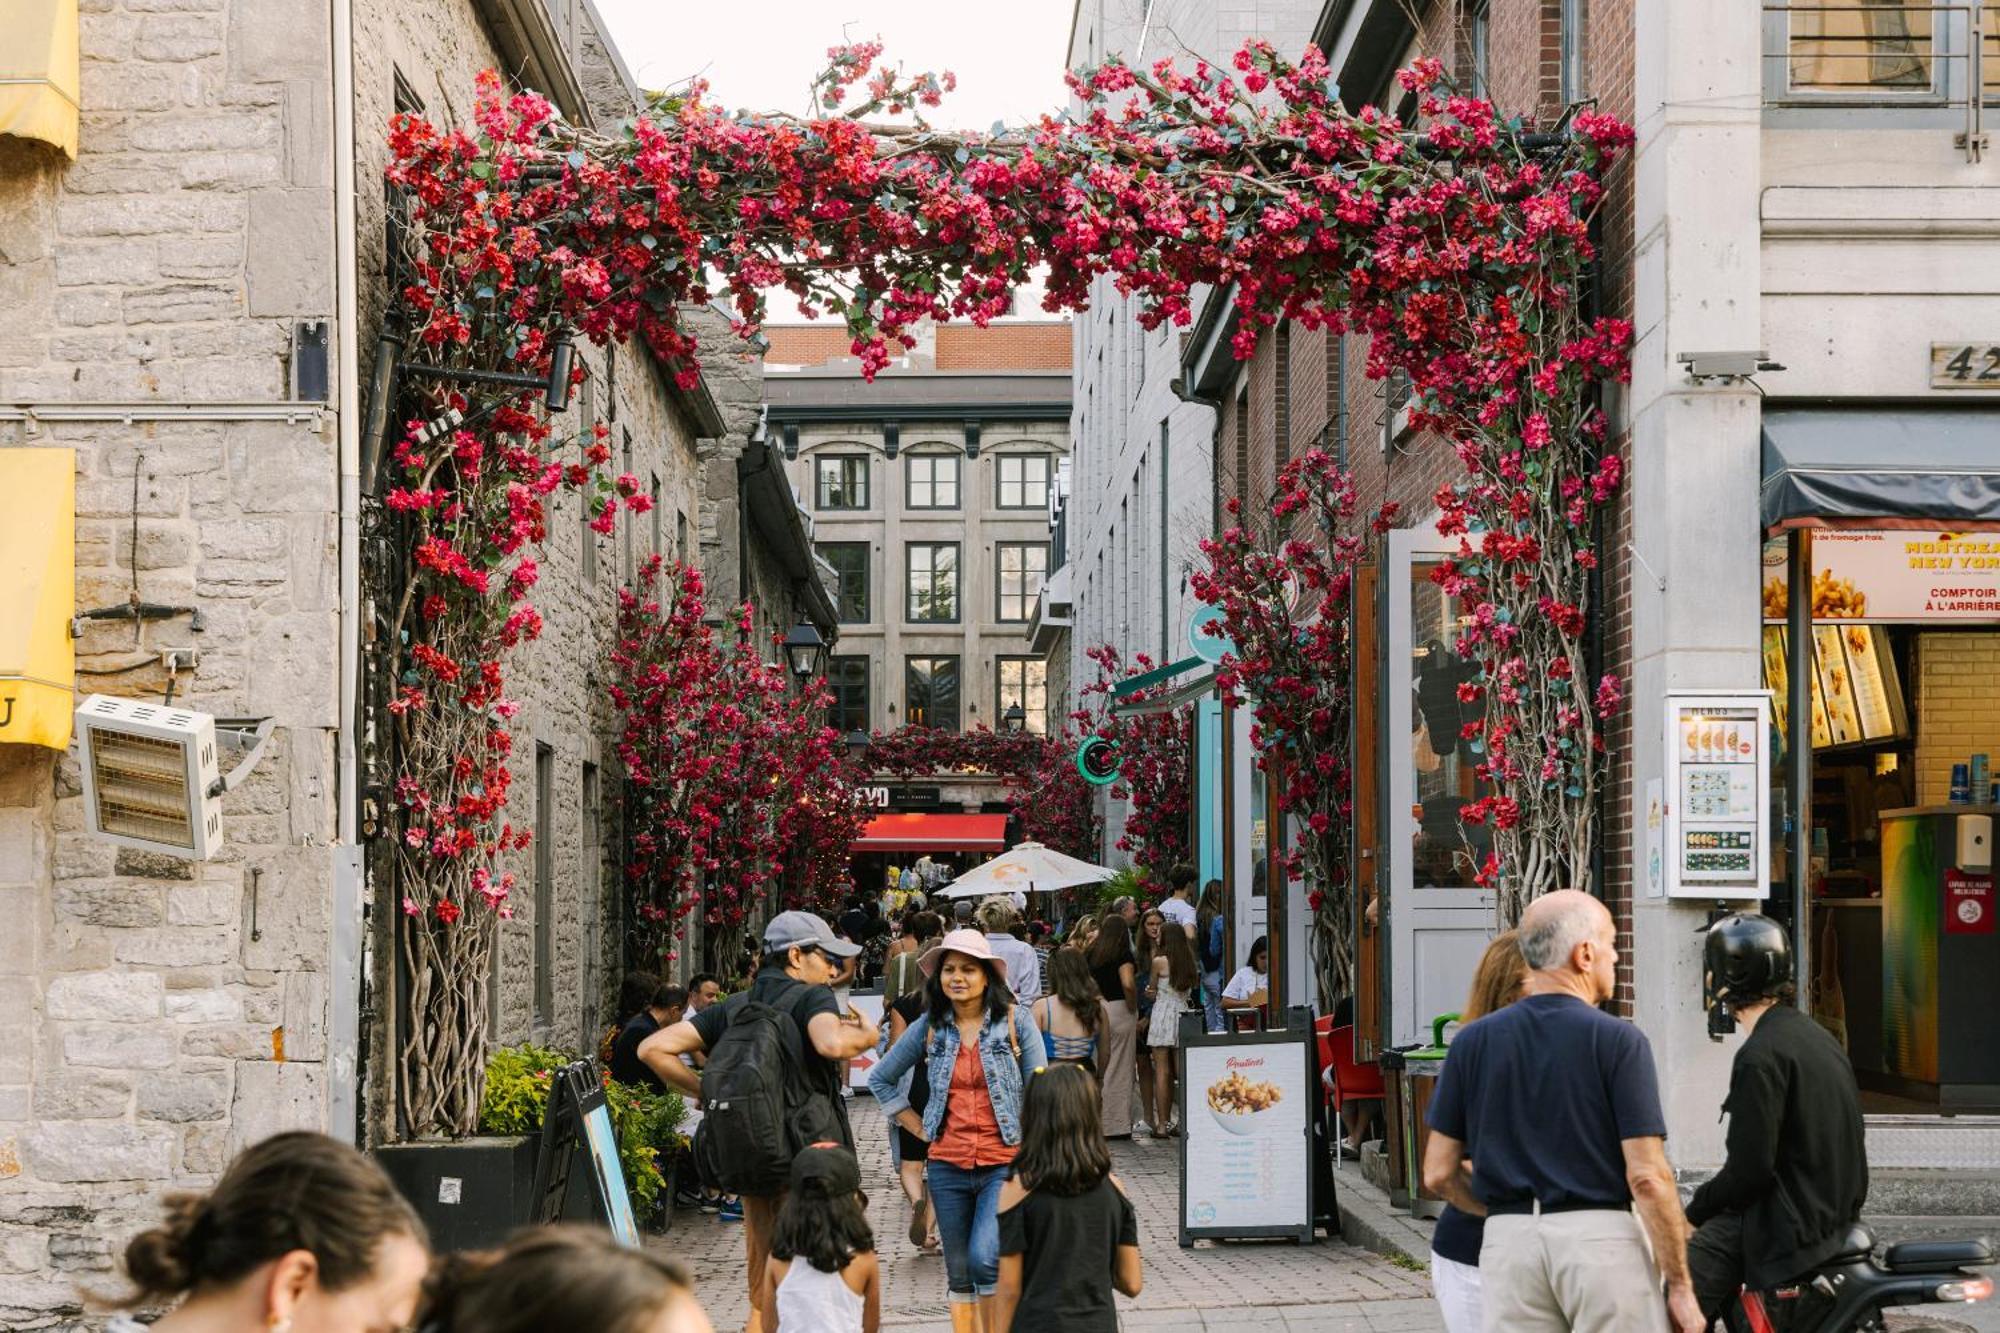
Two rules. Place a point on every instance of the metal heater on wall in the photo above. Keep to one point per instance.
(152, 773)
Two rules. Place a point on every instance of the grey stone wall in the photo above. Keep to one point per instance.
(162, 1014)
(150, 1030)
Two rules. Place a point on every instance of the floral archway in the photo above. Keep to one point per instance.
(1458, 246)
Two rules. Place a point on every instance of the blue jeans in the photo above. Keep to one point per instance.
(967, 1204)
(1211, 999)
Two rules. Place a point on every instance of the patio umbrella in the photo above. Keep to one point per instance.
(1027, 867)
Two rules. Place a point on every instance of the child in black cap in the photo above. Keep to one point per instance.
(836, 1287)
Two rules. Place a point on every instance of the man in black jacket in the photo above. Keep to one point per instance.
(1797, 1167)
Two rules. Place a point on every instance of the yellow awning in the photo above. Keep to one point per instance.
(40, 73)
(37, 595)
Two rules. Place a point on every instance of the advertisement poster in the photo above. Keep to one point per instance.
(1918, 575)
(1836, 685)
(1718, 784)
(1968, 903)
(1246, 1119)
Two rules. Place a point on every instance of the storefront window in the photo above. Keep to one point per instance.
(1442, 759)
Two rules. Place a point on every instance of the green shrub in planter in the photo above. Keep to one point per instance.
(647, 1123)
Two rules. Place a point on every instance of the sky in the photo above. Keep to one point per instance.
(762, 54)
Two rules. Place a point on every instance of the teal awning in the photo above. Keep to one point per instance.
(1881, 462)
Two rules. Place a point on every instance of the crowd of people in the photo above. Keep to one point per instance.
(1006, 1067)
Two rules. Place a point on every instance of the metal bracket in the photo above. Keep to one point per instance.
(248, 734)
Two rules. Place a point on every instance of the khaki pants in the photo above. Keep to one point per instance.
(1591, 1272)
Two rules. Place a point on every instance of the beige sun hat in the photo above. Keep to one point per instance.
(971, 943)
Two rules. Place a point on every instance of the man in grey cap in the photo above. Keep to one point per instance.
(802, 956)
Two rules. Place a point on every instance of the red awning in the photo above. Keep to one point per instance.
(933, 833)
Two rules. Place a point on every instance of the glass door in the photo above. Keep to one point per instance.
(1438, 919)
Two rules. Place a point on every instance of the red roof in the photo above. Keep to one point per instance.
(933, 833)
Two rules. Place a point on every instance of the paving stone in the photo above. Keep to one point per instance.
(1244, 1287)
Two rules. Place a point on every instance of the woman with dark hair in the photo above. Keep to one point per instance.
(1110, 960)
(1174, 980)
(1457, 1240)
(1068, 1235)
(301, 1234)
(981, 1050)
(559, 1277)
(1251, 985)
(1209, 930)
(1071, 1015)
(903, 1005)
(1152, 922)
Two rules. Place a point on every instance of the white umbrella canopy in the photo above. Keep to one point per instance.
(1028, 866)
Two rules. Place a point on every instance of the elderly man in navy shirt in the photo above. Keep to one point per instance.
(1557, 1107)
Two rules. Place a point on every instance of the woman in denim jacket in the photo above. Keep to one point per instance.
(981, 1050)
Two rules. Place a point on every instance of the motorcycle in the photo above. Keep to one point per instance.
(1849, 1292)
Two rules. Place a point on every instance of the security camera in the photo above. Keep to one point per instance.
(1702, 366)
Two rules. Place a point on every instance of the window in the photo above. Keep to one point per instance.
(932, 576)
(850, 562)
(545, 896)
(585, 496)
(1574, 37)
(843, 482)
(1024, 481)
(655, 515)
(1479, 40)
(932, 481)
(681, 535)
(1024, 681)
(930, 692)
(847, 679)
(1846, 46)
(1023, 567)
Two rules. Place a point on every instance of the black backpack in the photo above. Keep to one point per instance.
(760, 1105)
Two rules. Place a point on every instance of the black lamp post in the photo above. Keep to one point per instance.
(805, 648)
(1015, 718)
(857, 743)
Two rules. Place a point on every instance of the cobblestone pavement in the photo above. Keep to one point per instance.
(1239, 1286)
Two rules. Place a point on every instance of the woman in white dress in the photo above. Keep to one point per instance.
(1175, 975)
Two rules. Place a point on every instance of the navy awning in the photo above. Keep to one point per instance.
(1881, 462)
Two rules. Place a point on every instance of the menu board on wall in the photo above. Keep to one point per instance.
(1718, 780)
(1857, 697)
(1901, 576)
(1246, 1135)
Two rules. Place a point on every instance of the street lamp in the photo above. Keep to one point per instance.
(805, 647)
(1015, 718)
(857, 743)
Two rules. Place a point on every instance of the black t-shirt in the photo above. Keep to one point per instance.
(1541, 1093)
(1068, 1247)
(911, 1008)
(626, 1066)
(774, 988)
(1458, 1236)
(1111, 983)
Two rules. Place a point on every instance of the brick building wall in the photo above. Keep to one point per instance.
(1391, 466)
(1955, 700)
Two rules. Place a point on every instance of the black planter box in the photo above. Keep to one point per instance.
(474, 1193)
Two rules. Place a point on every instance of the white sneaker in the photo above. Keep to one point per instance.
(1141, 1127)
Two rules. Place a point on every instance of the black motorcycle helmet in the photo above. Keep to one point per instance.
(1747, 958)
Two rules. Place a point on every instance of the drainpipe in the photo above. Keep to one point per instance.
(344, 990)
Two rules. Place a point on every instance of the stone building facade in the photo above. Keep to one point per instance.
(180, 317)
(929, 492)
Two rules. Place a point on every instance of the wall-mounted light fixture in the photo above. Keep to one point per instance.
(152, 773)
(892, 438)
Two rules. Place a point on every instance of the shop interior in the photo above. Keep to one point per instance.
(1898, 818)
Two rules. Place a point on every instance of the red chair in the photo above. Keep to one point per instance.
(1346, 1078)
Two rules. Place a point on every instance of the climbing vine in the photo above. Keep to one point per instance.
(1458, 245)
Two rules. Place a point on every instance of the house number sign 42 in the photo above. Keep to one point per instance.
(1965, 366)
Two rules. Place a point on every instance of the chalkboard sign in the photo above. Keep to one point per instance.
(1247, 1110)
(577, 1126)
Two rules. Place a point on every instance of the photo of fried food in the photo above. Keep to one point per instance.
(1837, 599)
(1777, 599)
(1237, 1095)
(1857, 640)
(1836, 681)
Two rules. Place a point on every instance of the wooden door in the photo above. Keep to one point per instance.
(1367, 696)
